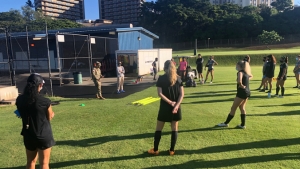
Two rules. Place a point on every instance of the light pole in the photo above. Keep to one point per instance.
(208, 42)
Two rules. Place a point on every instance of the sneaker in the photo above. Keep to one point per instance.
(223, 125)
(241, 127)
(122, 91)
(118, 92)
(280, 96)
(171, 152)
(295, 87)
(152, 152)
(210, 82)
(276, 95)
(262, 90)
(258, 89)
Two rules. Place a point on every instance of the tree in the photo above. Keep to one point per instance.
(29, 3)
(269, 37)
(28, 13)
(282, 5)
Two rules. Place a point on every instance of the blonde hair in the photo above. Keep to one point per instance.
(170, 70)
(245, 66)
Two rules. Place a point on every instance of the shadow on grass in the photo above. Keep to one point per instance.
(288, 104)
(231, 162)
(210, 95)
(210, 101)
(201, 163)
(214, 92)
(101, 140)
(286, 113)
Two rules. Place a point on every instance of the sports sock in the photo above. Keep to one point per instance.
(282, 91)
(173, 140)
(157, 137)
(243, 119)
(277, 90)
(229, 118)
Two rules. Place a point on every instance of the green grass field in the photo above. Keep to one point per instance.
(112, 134)
(235, 51)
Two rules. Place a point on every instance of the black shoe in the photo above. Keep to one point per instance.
(269, 91)
(262, 90)
(266, 88)
(295, 87)
(257, 89)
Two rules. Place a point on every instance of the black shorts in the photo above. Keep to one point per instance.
(154, 71)
(210, 70)
(199, 69)
(242, 95)
(34, 144)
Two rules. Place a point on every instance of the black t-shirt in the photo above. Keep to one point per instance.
(171, 92)
(270, 68)
(199, 62)
(282, 67)
(245, 82)
(36, 116)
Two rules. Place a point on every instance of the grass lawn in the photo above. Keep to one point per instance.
(235, 51)
(113, 134)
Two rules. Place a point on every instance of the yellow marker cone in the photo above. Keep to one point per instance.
(141, 100)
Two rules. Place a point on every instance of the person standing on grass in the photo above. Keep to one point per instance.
(155, 68)
(170, 90)
(270, 69)
(121, 72)
(96, 76)
(199, 63)
(243, 93)
(182, 67)
(282, 76)
(36, 113)
(265, 85)
(297, 71)
(210, 66)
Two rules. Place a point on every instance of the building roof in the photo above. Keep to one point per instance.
(88, 30)
(138, 29)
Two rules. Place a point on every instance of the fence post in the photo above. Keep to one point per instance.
(195, 49)
(49, 64)
(11, 60)
(58, 59)
(28, 50)
(90, 53)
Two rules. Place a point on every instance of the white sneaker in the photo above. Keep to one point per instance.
(223, 125)
(210, 82)
(280, 96)
(242, 127)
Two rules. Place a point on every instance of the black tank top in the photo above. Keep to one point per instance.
(245, 81)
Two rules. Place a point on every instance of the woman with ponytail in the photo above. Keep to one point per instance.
(36, 113)
(170, 90)
(281, 76)
(243, 93)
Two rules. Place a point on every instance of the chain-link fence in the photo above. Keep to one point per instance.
(223, 43)
(57, 55)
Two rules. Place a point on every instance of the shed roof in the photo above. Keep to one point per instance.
(138, 29)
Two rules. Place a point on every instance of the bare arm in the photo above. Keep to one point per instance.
(50, 113)
(216, 63)
(240, 83)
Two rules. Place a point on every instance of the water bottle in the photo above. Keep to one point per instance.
(269, 94)
(17, 113)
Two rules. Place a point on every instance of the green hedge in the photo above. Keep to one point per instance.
(256, 60)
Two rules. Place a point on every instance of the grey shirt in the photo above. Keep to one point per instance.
(120, 71)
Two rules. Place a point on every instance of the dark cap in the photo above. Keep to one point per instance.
(35, 78)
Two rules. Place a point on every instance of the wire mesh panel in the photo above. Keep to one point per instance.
(103, 50)
(4, 65)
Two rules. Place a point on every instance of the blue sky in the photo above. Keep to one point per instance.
(91, 7)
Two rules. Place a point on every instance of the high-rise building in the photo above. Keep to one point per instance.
(244, 3)
(63, 9)
(120, 11)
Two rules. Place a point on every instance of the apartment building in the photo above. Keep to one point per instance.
(120, 11)
(244, 3)
(62, 9)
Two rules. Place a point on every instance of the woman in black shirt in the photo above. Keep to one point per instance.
(243, 93)
(281, 76)
(170, 90)
(36, 113)
(270, 69)
(199, 63)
